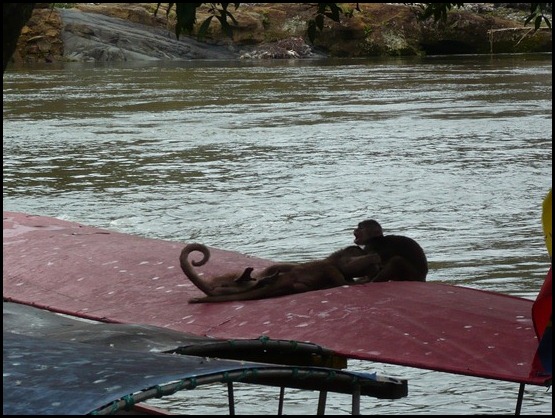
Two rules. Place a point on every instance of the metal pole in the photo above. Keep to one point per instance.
(356, 400)
(230, 398)
(281, 397)
(519, 400)
(322, 402)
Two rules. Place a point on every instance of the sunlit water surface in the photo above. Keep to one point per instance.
(282, 159)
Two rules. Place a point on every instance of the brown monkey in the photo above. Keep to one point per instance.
(402, 259)
(383, 258)
(338, 269)
(227, 283)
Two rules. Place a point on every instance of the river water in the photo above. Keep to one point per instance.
(281, 160)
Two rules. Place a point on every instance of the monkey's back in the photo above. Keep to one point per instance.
(389, 246)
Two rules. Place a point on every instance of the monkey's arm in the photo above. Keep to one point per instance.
(361, 266)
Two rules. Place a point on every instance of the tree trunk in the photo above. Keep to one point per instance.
(15, 17)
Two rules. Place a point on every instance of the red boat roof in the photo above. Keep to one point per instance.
(110, 276)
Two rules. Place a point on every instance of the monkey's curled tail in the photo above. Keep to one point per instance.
(188, 268)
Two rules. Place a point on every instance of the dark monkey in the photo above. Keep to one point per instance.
(382, 258)
(402, 258)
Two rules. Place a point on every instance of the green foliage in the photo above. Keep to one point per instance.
(322, 12)
(187, 17)
(438, 11)
(536, 14)
(186, 14)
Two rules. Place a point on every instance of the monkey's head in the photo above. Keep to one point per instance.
(366, 230)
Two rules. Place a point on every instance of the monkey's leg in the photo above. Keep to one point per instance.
(279, 286)
(397, 269)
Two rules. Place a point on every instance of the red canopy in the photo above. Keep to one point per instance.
(95, 273)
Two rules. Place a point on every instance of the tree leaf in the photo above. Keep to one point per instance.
(319, 22)
(204, 28)
(186, 17)
(225, 26)
(311, 31)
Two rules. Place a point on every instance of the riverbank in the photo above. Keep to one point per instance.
(132, 31)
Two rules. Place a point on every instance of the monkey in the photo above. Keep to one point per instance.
(338, 269)
(381, 258)
(402, 258)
